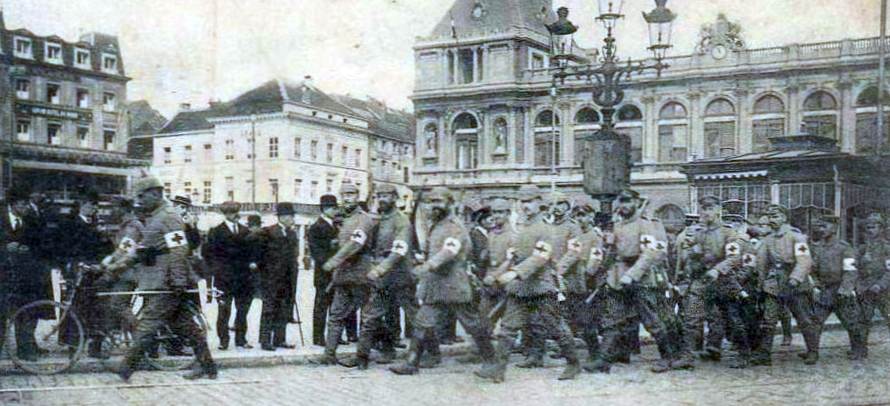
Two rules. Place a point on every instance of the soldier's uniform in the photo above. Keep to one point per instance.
(445, 286)
(120, 274)
(350, 265)
(635, 268)
(532, 293)
(392, 283)
(573, 266)
(165, 267)
(784, 263)
(498, 244)
(835, 275)
(873, 264)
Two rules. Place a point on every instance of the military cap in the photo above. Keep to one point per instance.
(229, 207)
(558, 197)
(385, 188)
(875, 218)
(285, 209)
(529, 192)
(348, 188)
(829, 218)
(18, 191)
(182, 200)
(777, 208)
(709, 201)
(146, 183)
(479, 210)
(628, 194)
(733, 218)
(442, 193)
(254, 220)
(500, 204)
(583, 202)
(327, 201)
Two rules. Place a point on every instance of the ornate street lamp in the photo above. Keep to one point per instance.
(606, 157)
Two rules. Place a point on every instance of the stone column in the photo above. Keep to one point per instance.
(476, 75)
(696, 127)
(794, 108)
(566, 134)
(650, 131)
(744, 141)
(529, 138)
(847, 117)
(511, 135)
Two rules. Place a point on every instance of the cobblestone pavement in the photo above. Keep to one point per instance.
(834, 381)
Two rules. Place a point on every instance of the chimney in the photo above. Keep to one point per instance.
(213, 103)
(307, 80)
(185, 106)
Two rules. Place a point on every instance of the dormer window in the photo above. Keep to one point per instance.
(82, 58)
(23, 48)
(53, 53)
(109, 63)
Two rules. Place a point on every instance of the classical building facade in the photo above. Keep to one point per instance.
(281, 142)
(486, 121)
(64, 121)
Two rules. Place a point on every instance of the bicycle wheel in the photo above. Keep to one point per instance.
(45, 337)
(173, 350)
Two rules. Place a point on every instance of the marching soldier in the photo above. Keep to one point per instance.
(445, 285)
(564, 230)
(714, 252)
(785, 263)
(164, 252)
(874, 272)
(532, 294)
(390, 276)
(836, 275)
(499, 237)
(636, 253)
(350, 267)
(580, 309)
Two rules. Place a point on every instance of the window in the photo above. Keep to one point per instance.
(313, 192)
(109, 63)
(547, 139)
(208, 153)
(358, 158)
(298, 147)
(344, 155)
(405, 175)
(208, 191)
(53, 53)
(230, 150)
(298, 188)
(630, 123)
(53, 94)
(23, 89)
(466, 132)
(230, 188)
(329, 185)
(820, 114)
(83, 137)
(187, 187)
(672, 133)
(23, 48)
(83, 98)
(867, 139)
(23, 131)
(108, 140)
(167, 155)
(168, 189)
(313, 150)
(466, 64)
(720, 129)
(329, 153)
(250, 148)
(82, 58)
(273, 189)
(109, 101)
(54, 134)
(187, 154)
(273, 147)
(768, 122)
(537, 61)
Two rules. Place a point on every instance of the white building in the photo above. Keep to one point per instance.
(307, 143)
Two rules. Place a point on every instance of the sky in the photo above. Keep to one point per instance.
(193, 51)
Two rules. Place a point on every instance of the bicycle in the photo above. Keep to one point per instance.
(60, 338)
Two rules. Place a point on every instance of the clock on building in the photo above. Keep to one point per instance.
(719, 52)
(479, 11)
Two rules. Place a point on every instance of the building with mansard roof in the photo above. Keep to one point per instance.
(486, 123)
(282, 141)
(63, 114)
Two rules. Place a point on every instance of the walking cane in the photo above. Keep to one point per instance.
(299, 324)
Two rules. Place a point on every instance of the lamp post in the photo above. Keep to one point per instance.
(606, 153)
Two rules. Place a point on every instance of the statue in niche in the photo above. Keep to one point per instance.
(500, 137)
(430, 135)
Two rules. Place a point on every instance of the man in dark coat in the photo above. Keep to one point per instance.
(22, 278)
(227, 255)
(278, 270)
(322, 246)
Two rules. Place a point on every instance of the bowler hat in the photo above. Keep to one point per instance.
(327, 201)
(229, 207)
(285, 209)
(183, 200)
(254, 220)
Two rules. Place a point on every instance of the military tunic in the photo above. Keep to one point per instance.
(874, 270)
(583, 316)
(835, 274)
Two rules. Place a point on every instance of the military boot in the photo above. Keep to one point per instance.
(684, 361)
(356, 361)
(711, 354)
(201, 372)
(409, 367)
(661, 366)
(532, 361)
(386, 357)
(858, 348)
(325, 359)
(810, 357)
(571, 371)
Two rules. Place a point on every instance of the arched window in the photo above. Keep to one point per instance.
(820, 114)
(720, 127)
(587, 115)
(630, 123)
(466, 137)
(768, 121)
(547, 139)
(867, 119)
(673, 133)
